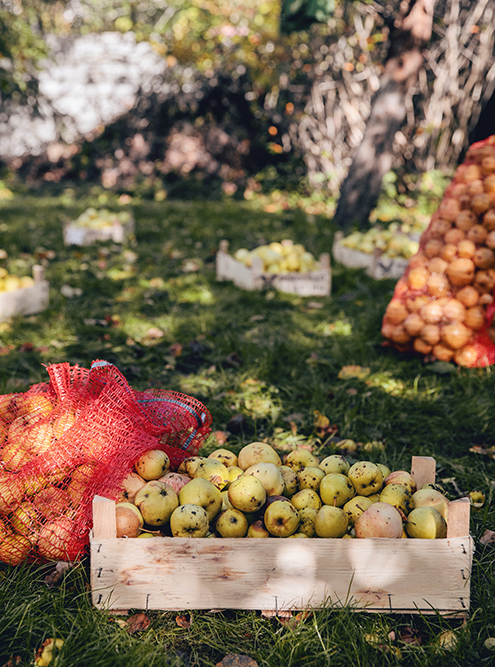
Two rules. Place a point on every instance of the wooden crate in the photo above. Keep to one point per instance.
(26, 301)
(315, 283)
(381, 575)
(376, 265)
(118, 232)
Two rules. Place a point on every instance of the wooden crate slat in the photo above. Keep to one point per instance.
(176, 573)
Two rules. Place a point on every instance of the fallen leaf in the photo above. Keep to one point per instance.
(175, 350)
(352, 391)
(25, 347)
(137, 623)
(488, 537)
(234, 359)
(13, 661)
(257, 318)
(483, 450)
(184, 622)
(353, 371)
(57, 574)
(237, 660)
(409, 635)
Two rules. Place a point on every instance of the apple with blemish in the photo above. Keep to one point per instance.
(366, 477)
(202, 492)
(153, 464)
(281, 518)
(257, 452)
(189, 520)
(156, 501)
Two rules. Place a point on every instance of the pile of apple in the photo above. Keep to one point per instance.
(391, 242)
(38, 511)
(10, 283)
(283, 257)
(102, 218)
(443, 303)
(255, 494)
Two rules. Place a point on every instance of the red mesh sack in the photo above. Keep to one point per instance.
(443, 305)
(74, 437)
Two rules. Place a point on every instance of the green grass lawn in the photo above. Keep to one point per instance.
(262, 363)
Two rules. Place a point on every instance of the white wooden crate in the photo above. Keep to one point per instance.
(377, 265)
(381, 575)
(26, 301)
(315, 283)
(118, 232)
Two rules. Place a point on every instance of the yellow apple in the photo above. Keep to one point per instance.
(11, 492)
(14, 549)
(234, 473)
(307, 516)
(291, 480)
(257, 452)
(153, 464)
(213, 470)
(306, 498)
(366, 477)
(231, 523)
(247, 494)
(310, 477)
(336, 489)
(331, 521)
(401, 477)
(356, 506)
(202, 492)
(131, 484)
(129, 519)
(398, 496)
(189, 465)
(190, 520)
(269, 475)
(55, 540)
(225, 456)
(156, 502)
(335, 463)
(257, 529)
(385, 470)
(25, 519)
(281, 518)
(426, 523)
(433, 499)
(63, 423)
(51, 502)
(301, 458)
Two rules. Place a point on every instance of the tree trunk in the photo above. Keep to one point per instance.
(408, 38)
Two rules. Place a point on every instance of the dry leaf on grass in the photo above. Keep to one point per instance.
(137, 623)
(488, 537)
(57, 574)
(184, 622)
(12, 661)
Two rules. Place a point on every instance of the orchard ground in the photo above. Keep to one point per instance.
(268, 366)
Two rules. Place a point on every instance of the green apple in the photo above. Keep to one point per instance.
(231, 523)
(291, 481)
(398, 496)
(379, 520)
(153, 464)
(129, 519)
(336, 489)
(257, 529)
(335, 463)
(131, 484)
(156, 502)
(225, 456)
(213, 470)
(269, 475)
(366, 477)
(300, 458)
(306, 498)
(432, 498)
(426, 523)
(189, 520)
(281, 518)
(257, 452)
(310, 477)
(356, 506)
(401, 477)
(307, 516)
(331, 521)
(202, 492)
(247, 494)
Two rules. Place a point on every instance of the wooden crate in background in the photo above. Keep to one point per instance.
(28, 300)
(375, 574)
(314, 283)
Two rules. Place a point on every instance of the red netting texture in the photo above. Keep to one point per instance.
(77, 436)
(443, 305)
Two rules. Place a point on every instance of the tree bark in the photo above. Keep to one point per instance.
(409, 35)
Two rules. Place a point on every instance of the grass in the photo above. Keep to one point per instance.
(262, 363)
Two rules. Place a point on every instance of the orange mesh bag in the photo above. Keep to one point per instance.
(443, 305)
(77, 436)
